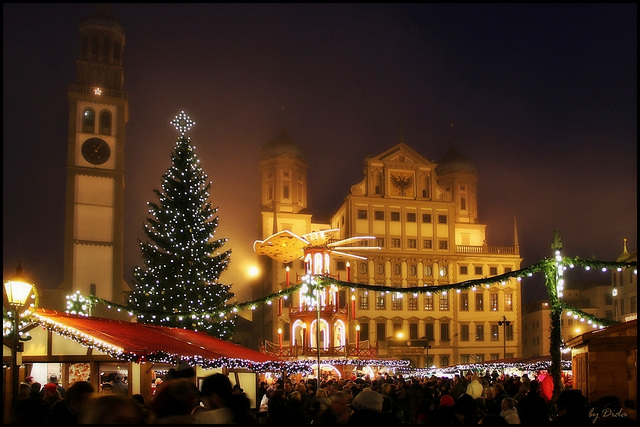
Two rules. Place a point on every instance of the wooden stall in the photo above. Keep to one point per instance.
(81, 348)
(604, 362)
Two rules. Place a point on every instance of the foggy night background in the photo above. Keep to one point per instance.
(543, 100)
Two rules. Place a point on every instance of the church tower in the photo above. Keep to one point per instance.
(98, 113)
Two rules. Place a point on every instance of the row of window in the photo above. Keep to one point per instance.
(411, 243)
(429, 302)
(495, 332)
(89, 121)
(633, 306)
(428, 269)
(379, 215)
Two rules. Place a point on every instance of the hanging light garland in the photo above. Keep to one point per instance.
(310, 285)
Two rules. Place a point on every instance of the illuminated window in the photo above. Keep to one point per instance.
(479, 332)
(381, 300)
(464, 301)
(508, 302)
(493, 301)
(495, 332)
(412, 302)
(363, 299)
(444, 302)
(479, 302)
(428, 302)
(396, 301)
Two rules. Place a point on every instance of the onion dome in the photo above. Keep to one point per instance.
(454, 162)
(282, 144)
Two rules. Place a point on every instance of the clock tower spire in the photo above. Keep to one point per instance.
(98, 113)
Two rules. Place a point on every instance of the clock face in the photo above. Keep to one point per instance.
(96, 151)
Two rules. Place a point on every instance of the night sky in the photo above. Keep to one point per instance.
(542, 98)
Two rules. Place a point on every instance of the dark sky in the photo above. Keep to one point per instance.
(543, 99)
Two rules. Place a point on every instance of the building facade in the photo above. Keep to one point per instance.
(592, 297)
(422, 218)
(98, 113)
(624, 288)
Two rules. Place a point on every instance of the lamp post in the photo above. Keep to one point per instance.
(504, 323)
(427, 347)
(17, 290)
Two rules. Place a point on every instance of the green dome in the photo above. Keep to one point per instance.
(281, 144)
(454, 162)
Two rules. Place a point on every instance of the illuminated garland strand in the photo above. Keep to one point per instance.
(547, 266)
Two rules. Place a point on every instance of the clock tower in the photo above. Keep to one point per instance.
(98, 113)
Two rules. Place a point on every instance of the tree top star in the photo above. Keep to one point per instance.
(182, 123)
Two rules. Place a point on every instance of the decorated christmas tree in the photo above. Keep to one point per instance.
(178, 285)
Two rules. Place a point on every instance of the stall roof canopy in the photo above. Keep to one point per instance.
(143, 342)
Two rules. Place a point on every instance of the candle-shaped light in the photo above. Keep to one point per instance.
(357, 337)
(280, 338)
(287, 269)
(353, 306)
(348, 272)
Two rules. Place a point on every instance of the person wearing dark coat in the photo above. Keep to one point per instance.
(276, 407)
(33, 408)
(572, 409)
(68, 410)
(532, 408)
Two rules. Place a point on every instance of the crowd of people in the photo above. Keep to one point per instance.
(469, 398)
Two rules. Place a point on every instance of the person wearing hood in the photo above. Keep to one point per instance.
(509, 411)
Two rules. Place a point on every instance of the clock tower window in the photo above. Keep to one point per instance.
(88, 120)
(105, 123)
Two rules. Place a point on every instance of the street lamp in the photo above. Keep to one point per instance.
(427, 347)
(504, 323)
(17, 290)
